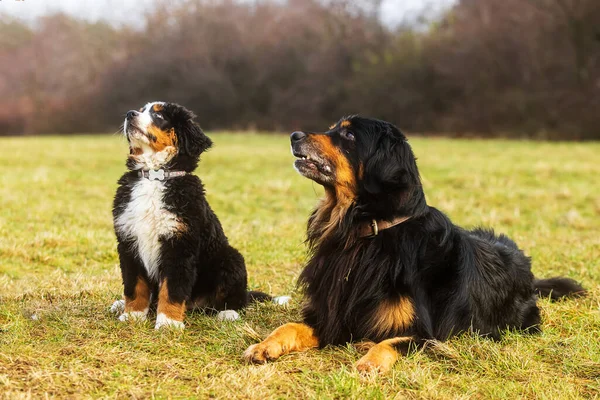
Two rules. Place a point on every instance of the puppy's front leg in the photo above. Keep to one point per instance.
(136, 290)
(176, 283)
(170, 310)
(137, 300)
(283, 340)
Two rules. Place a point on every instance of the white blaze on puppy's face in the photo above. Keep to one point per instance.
(151, 146)
(137, 129)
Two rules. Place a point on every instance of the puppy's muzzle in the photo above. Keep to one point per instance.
(131, 114)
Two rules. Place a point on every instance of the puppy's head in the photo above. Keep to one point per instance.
(358, 158)
(160, 132)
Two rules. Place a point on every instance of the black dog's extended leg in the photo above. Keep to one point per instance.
(287, 338)
(178, 275)
(135, 285)
(382, 356)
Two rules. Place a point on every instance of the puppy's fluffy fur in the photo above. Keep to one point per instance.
(423, 278)
(171, 245)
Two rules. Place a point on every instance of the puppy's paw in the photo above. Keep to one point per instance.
(262, 352)
(133, 316)
(228, 315)
(117, 307)
(282, 300)
(162, 321)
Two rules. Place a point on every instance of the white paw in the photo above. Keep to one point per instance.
(133, 316)
(117, 307)
(163, 321)
(228, 315)
(282, 300)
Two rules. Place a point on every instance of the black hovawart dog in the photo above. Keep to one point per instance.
(172, 249)
(386, 267)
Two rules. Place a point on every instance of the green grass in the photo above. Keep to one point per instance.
(59, 274)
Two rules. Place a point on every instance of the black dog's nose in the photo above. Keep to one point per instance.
(297, 136)
(131, 114)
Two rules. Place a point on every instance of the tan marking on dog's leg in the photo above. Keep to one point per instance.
(136, 307)
(283, 340)
(382, 356)
(168, 313)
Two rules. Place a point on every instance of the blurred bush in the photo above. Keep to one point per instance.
(487, 67)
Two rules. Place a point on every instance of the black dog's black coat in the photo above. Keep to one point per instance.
(457, 280)
(201, 268)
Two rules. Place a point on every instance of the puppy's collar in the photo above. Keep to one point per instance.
(372, 229)
(160, 174)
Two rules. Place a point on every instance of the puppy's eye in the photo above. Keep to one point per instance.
(159, 116)
(348, 135)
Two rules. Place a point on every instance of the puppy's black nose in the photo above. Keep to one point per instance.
(131, 114)
(297, 136)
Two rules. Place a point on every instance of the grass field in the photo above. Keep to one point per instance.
(59, 275)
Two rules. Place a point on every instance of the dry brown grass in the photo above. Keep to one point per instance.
(59, 275)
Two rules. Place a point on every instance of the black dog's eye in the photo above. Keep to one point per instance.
(159, 116)
(348, 135)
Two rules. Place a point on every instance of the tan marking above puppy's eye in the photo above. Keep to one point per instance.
(345, 124)
(157, 107)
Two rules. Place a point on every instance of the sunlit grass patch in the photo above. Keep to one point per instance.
(59, 275)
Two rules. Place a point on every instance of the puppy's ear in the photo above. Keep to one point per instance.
(392, 166)
(192, 141)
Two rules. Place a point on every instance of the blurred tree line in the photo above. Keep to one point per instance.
(485, 68)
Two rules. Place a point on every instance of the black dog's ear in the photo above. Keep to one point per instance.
(192, 141)
(392, 166)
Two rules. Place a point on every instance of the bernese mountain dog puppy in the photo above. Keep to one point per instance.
(386, 267)
(172, 249)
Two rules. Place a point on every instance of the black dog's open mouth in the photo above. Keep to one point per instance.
(309, 164)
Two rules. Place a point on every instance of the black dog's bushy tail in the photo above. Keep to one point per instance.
(558, 288)
(254, 296)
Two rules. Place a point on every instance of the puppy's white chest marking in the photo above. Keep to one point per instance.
(145, 221)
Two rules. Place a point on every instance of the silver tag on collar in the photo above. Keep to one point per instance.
(158, 175)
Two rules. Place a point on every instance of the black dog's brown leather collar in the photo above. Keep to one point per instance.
(160, 174)
(372, 229)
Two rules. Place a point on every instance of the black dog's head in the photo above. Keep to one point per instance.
(164, 135)
(364, 163)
